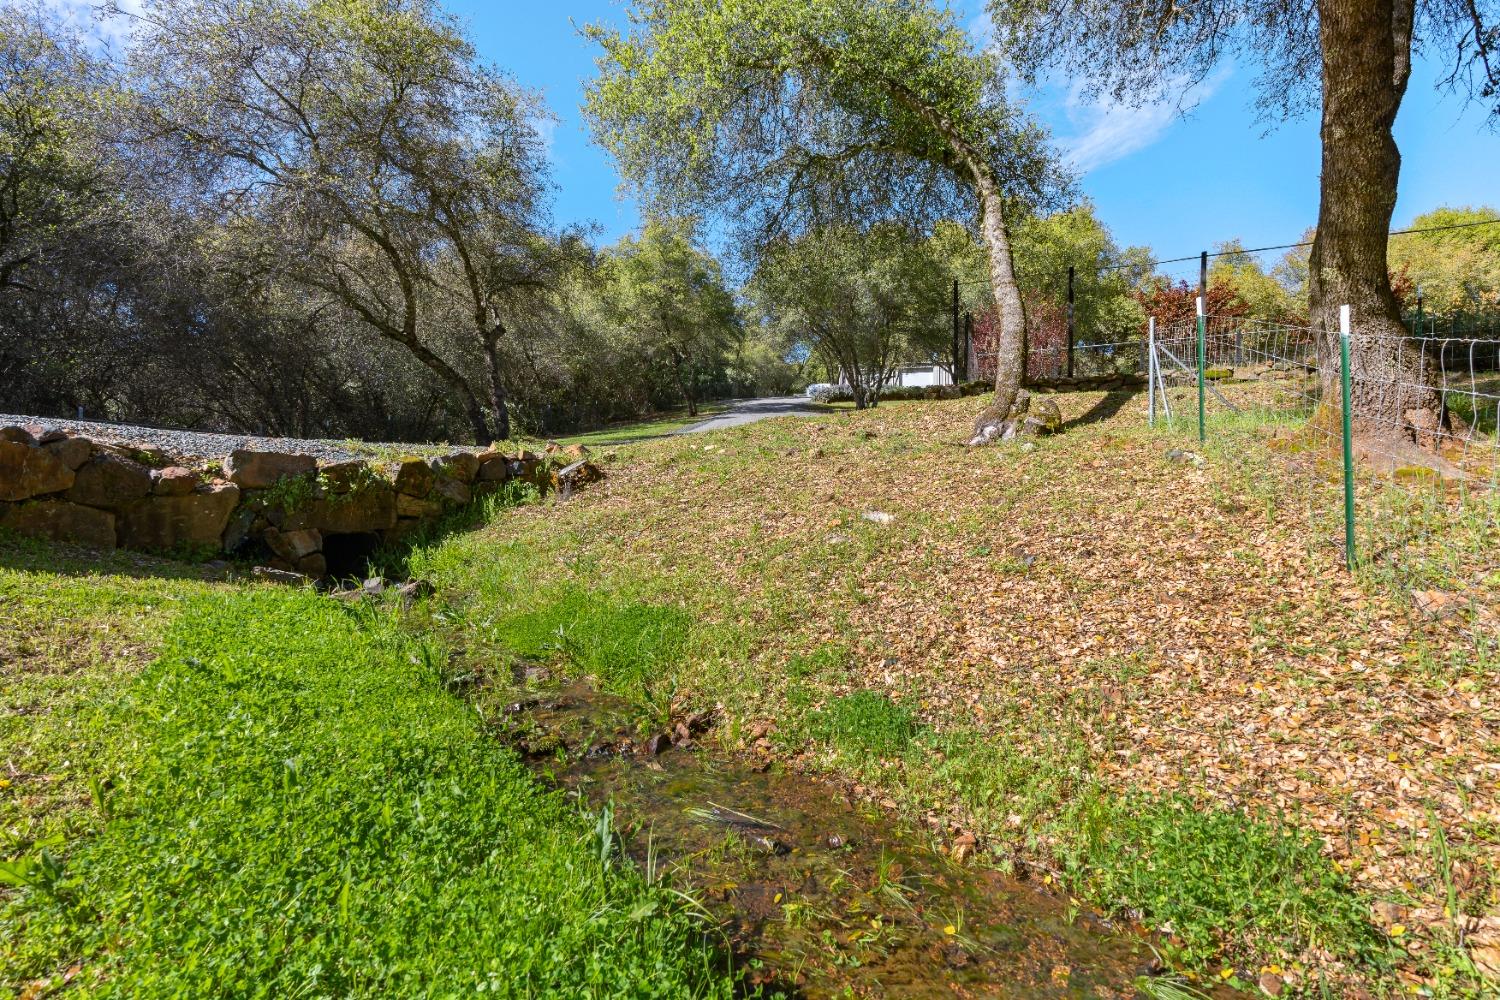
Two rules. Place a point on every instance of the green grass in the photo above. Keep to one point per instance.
(865, 722)
(288, 802)
(636, 430)
(1225, 883)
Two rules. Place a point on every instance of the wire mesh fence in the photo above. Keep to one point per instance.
(1409, 486)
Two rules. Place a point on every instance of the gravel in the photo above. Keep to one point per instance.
(211, 447)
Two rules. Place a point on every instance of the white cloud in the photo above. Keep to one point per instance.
(1104, 130)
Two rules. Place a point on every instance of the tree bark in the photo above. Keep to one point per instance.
(1366, 47)
(1010, 352)
(498, 401)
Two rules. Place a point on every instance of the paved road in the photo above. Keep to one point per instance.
(748, 411)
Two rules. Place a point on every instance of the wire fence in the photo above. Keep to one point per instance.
(1408, 487)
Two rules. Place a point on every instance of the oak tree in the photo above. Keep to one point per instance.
(1349, 58)
(799, 113)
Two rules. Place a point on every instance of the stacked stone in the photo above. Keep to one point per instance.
(1086, 383)
(65, 487)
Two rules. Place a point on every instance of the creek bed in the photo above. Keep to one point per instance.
(814, 893)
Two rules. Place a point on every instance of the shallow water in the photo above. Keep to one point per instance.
(816, 894)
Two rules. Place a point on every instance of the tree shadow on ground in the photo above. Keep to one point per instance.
(1107, 406)
(34, 555)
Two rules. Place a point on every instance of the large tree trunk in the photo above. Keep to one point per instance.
(1366, 63)
(1010, 351)
(498, 401)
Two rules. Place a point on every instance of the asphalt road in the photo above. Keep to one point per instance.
(748, 411)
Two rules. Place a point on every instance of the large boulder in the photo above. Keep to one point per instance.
(258, 470)
(452, 491)
(461, 465)
(414, 478)
(109, 481)
(342, 477)
(27, 472)
(369, 508)
(62, 522)
(175, 481)
(294, 545)
(409, 506)
(19, 435)
(71, 451)
(494, 467)
(197, 520)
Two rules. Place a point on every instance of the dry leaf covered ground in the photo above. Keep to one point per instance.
(1142, 677)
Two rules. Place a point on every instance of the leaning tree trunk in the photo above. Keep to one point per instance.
(1366, 48)
(496, 384)
(1010, 351)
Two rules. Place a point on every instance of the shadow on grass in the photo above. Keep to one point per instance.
(1110, 404)
(33, 555)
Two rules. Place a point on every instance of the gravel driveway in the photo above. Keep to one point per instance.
(748, 411)
(205, 445)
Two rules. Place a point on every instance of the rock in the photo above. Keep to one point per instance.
(452, 491)
(494, 470)
(313, 565)
(27, 472)
(342, 477)
(294, 545)
(1048, 414)
(410, 506)
(1183, 457)
(414, 478)
(196, 520)
(370, 509)
(109, 481)
(174, 481)
(878, 516)
(258, 470)
(61, 522)
(1270, 983)
(19, 435)
(272, 575)
(577, 451)
(413, 590)
(71, 451)
(658, 743)
(461, 465)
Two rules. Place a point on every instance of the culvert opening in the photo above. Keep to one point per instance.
(348, 555)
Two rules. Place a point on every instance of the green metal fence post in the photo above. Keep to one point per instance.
(1202, 357)
(1348, 421)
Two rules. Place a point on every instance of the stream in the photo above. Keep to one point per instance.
(816, 894)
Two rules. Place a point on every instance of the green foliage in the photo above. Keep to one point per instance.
(669, 296)
(305, 811)
(860, 301)
(1458, 270)
(865, 722)
(1264, 296)
(1104, 309)
(1216, 877)
(630, 647)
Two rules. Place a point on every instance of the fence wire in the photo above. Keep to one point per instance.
(1424, 435)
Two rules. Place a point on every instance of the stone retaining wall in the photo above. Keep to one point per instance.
(1087, 383)
(286, 510)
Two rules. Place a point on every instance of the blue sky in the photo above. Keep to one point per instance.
(1177, 184)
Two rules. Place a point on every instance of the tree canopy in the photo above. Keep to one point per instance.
(795, 114)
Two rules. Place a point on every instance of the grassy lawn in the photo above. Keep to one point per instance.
(1146, 682)
(234, 790)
